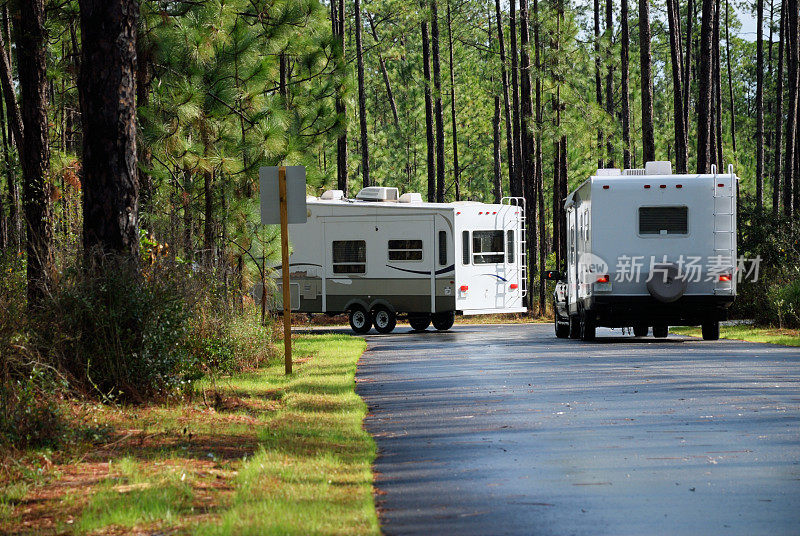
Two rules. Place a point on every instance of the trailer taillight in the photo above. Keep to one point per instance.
(463, 288)
(678, 186)
(646, 186)
(725, 277)
(605, 187)
(603, 279)
(663, 186)
(513, 286)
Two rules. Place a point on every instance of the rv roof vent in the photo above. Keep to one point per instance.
(411, 197)
(608, 172)
(630, 172)
(332, 195)
(659, 167)
(378, 193)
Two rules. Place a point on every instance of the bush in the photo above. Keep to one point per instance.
(119, 332)
(30, 413)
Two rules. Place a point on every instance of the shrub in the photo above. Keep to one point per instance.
(118, 331)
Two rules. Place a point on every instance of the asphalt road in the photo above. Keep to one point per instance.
(505, 429)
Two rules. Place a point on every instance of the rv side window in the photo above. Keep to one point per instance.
(510, 246)
(487, 247)
(349, 257)
(465, 247)
(405, 250)
(663, 220)
(442, 248)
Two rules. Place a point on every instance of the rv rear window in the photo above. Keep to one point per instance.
(442, 248)
(510, 247)
(663, 220)
(349, 257)
(465, 247)
(405, 250)
(487, 247)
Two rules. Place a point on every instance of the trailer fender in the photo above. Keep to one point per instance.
(356, 301)
(383, 302)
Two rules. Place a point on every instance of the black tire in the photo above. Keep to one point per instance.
(574, 327)
(383, 319)
(360, 321)
(419, 321)
(660, 332)
(443, 321)
(562, 329)
(710, 331)
(641, 330)
(587, 326)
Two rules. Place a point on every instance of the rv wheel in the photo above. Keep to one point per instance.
(443, 321)
(419, 322)
(574, 327)
(360, 321)
(640, 330)
(383, 319)
(711, 331)
(562, 329)
(660, 332)
(587, 326)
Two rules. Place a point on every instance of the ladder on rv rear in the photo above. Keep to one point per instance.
(522, 244)
(725, 218)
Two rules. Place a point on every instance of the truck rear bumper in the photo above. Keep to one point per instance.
(622, 311)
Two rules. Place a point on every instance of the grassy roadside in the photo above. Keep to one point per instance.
(785, 337)
(257, 453)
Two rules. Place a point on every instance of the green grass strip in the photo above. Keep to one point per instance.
(784, 337)
(312, 473)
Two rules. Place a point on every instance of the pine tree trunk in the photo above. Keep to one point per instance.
(456, 170)
(337, 22)
(624, 68)
(687, 69)
(609, 81)
(539, 174)
(557, 168)
(789, 195)
(677, 87)
(528, 140)
(498, 186)
(9, 97)
(598, 86)
(516, 186)
(108, 114)
(35, 154)
(14, 225)
(437, 109)
(778, 132)
(648, 137)
(730, 79)
(705, 82)
(512, 164)
(718, 88)
(384, 72)
(426, 70)
(759, 98)
(362, 98)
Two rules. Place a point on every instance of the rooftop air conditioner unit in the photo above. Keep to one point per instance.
(411, 197)
(332, 195)
(378, 193)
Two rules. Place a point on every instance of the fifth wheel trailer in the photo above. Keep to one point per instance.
(382, 255)
(648, 248)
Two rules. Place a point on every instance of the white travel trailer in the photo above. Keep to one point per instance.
(648, 248)
(382, 254)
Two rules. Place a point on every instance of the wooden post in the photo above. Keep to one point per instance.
(287, 305)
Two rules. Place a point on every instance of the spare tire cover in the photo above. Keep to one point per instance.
(665, 284)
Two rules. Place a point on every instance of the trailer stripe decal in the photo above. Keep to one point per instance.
(497, 276)
(424, 272)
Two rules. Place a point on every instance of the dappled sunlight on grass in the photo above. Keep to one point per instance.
(785, 337)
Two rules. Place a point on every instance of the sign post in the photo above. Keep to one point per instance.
(287, 302)
(289, 206)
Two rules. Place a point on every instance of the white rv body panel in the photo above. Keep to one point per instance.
(613, 233)
(406, 256)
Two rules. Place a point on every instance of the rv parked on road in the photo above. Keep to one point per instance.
(647, 248)
(382, 255)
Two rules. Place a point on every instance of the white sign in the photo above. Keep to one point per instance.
(295, 194)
